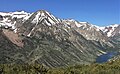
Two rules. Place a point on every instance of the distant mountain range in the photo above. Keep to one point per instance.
(40, 37)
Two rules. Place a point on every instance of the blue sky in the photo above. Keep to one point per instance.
(98, 12)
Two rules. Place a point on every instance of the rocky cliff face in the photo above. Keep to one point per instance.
(42, 38)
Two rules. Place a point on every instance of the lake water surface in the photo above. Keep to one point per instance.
(105, 57)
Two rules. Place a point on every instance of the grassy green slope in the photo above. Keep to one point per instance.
(112, 67)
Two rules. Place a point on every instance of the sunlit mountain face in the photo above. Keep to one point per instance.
(40, 37)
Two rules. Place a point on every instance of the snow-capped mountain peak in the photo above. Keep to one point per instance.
(42, 15)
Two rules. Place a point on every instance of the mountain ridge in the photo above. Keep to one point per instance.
(51, 41)
(25, 16)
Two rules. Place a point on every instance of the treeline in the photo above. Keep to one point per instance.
(112, 67)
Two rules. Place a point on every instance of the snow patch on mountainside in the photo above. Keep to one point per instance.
(21, 14)
(7, 20)
(109, 29)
